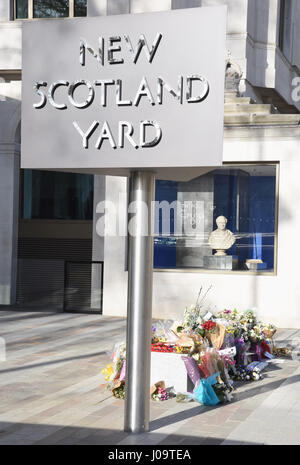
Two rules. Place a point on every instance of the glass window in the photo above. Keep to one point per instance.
(62, 196)
(80, 8)
(285, 27)
(238, 203)
(28, 9)
(21, 9)
(50, 8)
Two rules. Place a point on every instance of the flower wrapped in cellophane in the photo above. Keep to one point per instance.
(113, 370)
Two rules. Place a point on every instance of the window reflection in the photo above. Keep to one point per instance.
(80, 8)
(21, 9)
(53, 195)
(285, 27)
(50, 8)
(28, 9)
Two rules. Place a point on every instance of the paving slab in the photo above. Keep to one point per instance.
(52, 392)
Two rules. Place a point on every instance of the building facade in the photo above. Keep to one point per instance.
(51, 252)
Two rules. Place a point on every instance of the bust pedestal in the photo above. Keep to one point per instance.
(221, 262)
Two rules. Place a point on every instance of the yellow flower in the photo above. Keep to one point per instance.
(108, 371)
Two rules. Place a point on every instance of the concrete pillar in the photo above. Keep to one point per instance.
(97, 7)
(6, 10)
(108, 7)
(177, 4)
(9, 197)
(142, 6)
(9, 209)
(98, 243)
(115, 250)
(118, 7)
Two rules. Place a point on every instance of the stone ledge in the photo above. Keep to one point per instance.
(240, 108)
(238, 100)
(261, 120)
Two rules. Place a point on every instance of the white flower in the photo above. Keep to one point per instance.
(228, 396)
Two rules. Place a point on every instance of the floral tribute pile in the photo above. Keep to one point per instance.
(218, 350)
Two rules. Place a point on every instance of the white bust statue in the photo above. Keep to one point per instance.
(221, 239)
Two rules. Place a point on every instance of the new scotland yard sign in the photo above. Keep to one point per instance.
(116, 93)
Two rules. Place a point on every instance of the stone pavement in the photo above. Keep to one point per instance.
(51, 393)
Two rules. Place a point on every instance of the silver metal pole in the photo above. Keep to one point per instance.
(139, 305)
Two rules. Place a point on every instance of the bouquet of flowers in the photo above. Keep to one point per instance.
(269, 330)
(231, 321)
(216, 349)
(256, 334)
(209, 326)
(112, 371)
(154, 338)
(193, 318)
(228, 315)
(160, 395)
(249, 318)
(282, 351)
(245, 326)
(119, 391)
(184, 398)
(163, 347)
(247, 323)
(158, 392)
(241, 374)
(224, 392)
(251, 372)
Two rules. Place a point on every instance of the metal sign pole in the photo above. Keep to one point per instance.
(139, 307)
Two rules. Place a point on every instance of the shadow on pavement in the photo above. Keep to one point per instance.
(53, 362)
(46, 434)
